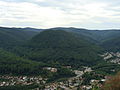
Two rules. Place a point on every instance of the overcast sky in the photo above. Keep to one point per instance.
(90, 14)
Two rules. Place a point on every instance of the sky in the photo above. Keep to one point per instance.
(89, 14)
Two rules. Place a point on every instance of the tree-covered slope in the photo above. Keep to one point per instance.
(108, 39)
(95, 35)
(57, 46)
(12, 64)
(58, 39)
(14, 36)
(112, 44)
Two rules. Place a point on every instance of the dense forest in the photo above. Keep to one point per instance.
(60, 47)
(29, 49)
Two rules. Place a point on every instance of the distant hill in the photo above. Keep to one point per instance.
(58, 46)
(98, 35)
(112, 44)
(14, 36)
(54, 46)
(58, 39)
(108, 39)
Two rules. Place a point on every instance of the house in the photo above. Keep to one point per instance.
(50, 69)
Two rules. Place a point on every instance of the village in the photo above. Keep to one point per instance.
(72, 83)
(20, 80)
(75, 83)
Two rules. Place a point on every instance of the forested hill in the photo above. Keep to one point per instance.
(14, 36)
(112, 44)
(55, 46)
(12, 64)
(108, 39)
(58, 39)
(58, 46)
(98, 35)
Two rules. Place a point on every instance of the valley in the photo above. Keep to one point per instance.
(57, 58)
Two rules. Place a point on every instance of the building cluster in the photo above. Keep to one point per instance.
(8, 80)
(20, 80)
(112, 57)
(75, 82)
(72, 83)
(66, 85)
(50, 69)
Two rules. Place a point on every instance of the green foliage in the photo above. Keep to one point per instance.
(61, 73)
(95, 87)
(112, 44)
(55, 47)
(10, 37)
(12, 64)
(106, 68)
(89, 76)
(108, 39)
(61, 47)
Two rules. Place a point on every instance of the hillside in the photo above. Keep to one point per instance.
(58, 39)
(112, 44)
(108, 39)
(14, 36)
(12, 64)
(57, 46)
(97, 35)
(67, 51)
(60, 46)
(10, 37)
(112, 83)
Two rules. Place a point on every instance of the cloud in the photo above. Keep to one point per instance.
(29, 12)
(53, 13)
